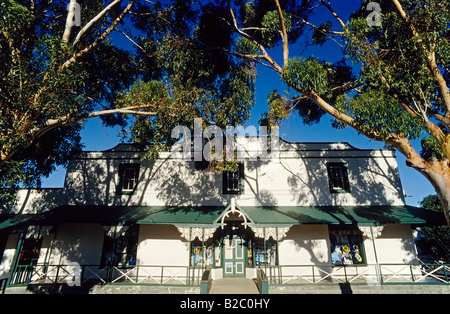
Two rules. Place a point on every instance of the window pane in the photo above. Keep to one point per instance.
(338, 179)
(128, 179)
(345, 247)
(267, 257)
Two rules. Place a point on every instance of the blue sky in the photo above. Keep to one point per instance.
(96, 137)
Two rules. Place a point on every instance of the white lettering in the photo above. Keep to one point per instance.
(374, 18)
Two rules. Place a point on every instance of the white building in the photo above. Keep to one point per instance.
(314, 212)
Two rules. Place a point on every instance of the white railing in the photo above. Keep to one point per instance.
(279, 275)
(363, 274)
(140, 274)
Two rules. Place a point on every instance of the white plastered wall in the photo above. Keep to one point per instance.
(305, 245)
(162, 245)
(77, 243)
(395, 245)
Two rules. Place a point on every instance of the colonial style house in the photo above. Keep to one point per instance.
(313, 213)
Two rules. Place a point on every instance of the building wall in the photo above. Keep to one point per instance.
(8, 255)
(296, 176)
(162, 245)
(394, 245)
(76, 243)
(305, 245)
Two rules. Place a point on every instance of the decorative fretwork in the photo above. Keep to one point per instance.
(371, 232)
(38, 231)
(277, 233)
(190, 233)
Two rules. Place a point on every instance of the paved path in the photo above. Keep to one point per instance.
(233, 286)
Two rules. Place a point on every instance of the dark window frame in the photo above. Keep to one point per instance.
(121, 251)
(233, 182)
(338, 177)
(343, 250)
(123, 183)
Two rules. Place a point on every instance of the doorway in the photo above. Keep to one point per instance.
(234, 257)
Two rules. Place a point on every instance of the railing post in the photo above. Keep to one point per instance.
(314, 277)
(412, 274)
(345, 273)
(445, 273)
(378, 273)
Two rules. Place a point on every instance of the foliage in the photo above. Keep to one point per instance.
(199, 79)
(437, 238)
(34, 89)
(56, 74)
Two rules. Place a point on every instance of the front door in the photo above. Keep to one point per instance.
(234, 257)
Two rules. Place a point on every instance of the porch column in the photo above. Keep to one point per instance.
(373, 232)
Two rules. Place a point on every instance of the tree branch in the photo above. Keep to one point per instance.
(69, 21)
(95, 19)
(328, 6)
(80, 53)
(284, 35)
(264, 55)
(431, 57)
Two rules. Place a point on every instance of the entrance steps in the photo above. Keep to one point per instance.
(233, 286)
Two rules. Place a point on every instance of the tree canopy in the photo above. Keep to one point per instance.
(61, 66)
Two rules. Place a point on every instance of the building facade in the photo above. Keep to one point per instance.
(313, 212)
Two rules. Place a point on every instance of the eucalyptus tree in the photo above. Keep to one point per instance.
(58, 68)
(61, 66)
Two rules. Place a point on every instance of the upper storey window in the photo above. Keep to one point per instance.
(233, 182)
(128, 179)
(338, 177)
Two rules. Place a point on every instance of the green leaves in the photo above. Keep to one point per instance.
(375, 110)
(308, 74)
(272, 27)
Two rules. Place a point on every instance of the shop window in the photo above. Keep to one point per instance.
(265, 255)
(128, 179)
(346, 247)
(202, 256)
(120, 249)
(30, 252)
(233, 182)
(338, 178)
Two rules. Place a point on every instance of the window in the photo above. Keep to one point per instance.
(338, 178)
(346, 246)
(128, 179)
(202, 256)
(119, 248)
(265, 254)
(233, 182)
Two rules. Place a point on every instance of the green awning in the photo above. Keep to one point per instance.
(209, 215)
(14, 221)
(347, 215)
(120, 215)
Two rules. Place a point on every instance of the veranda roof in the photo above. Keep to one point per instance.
(208, 216)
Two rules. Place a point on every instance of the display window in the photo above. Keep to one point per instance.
(346, 247)
(202, 256)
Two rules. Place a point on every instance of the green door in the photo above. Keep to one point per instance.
(234, 254)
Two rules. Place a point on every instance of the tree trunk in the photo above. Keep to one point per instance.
(438, 173)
